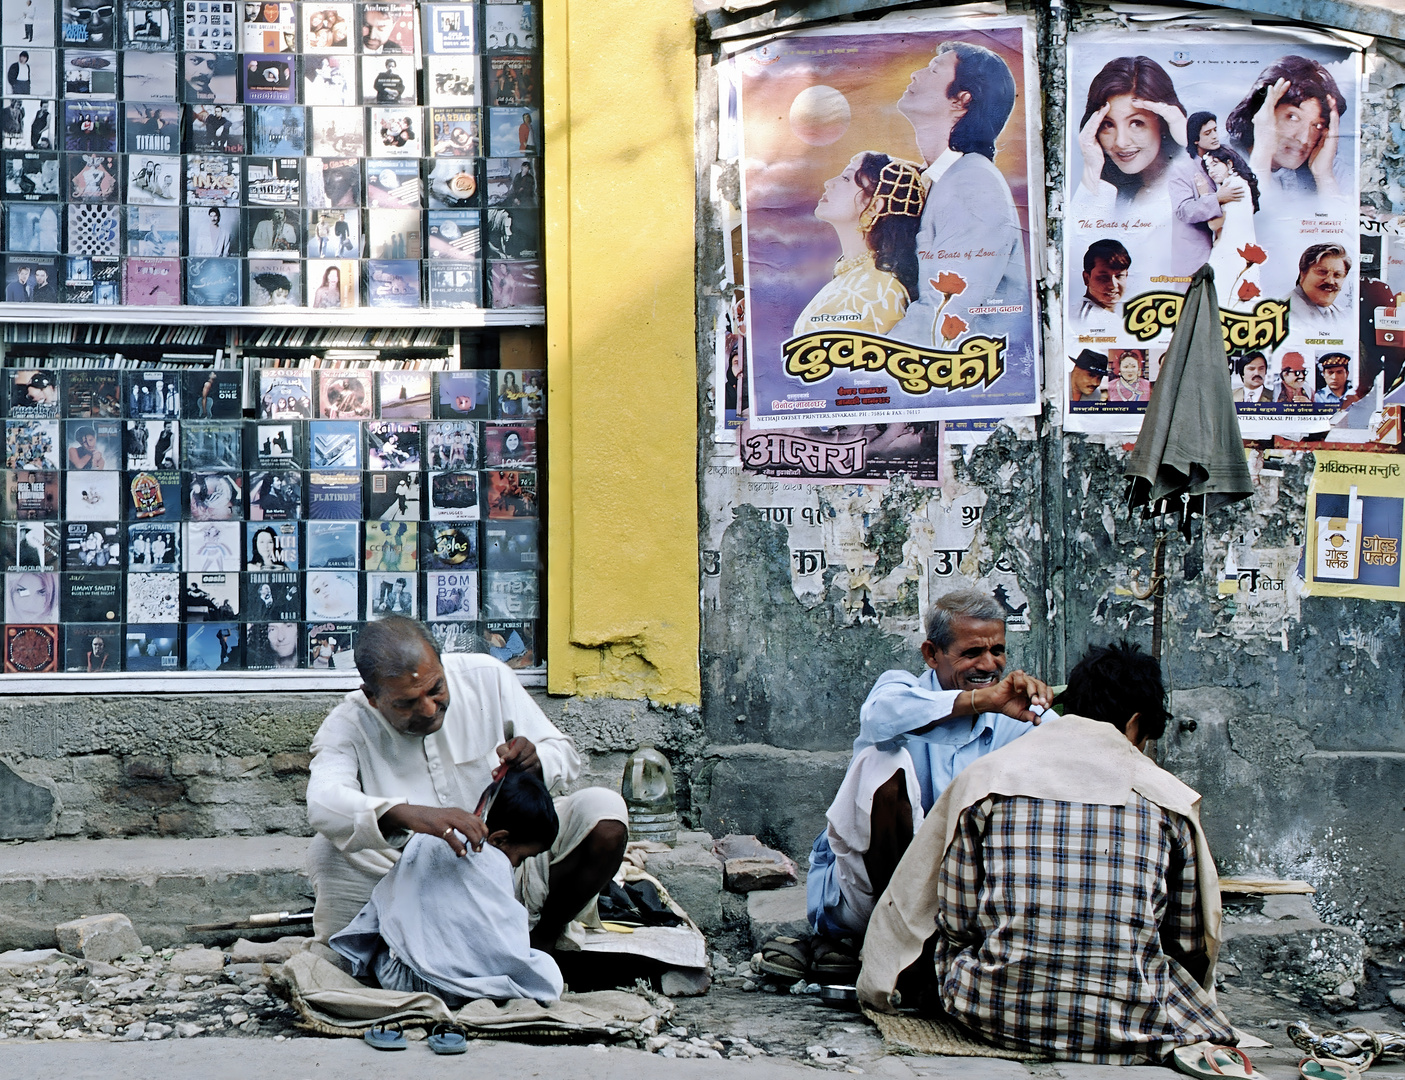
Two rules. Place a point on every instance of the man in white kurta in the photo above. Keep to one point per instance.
(414, 749)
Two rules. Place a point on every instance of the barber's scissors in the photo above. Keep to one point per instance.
(490, 793)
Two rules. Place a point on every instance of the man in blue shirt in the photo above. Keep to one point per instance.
(915, 734)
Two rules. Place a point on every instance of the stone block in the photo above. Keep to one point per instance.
(693, 877)
(98, 937)
(748, 864)
(748, 875)
(195, 765)
(202, 791)
(1307, 952)
(265, 952)
(144, 767)
(197, 962)
(779, 796)
(777, 913)
(28, 810)
(684, 982)
(285, 763)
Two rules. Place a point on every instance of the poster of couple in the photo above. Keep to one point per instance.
(1234, 148)
(889, 241)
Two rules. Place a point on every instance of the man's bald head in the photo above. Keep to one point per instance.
(392, 647)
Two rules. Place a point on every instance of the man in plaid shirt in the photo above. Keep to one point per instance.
(1077, 915)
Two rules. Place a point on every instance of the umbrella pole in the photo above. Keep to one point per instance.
(1158, 588)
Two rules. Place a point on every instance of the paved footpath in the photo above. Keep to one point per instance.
(349, 1059)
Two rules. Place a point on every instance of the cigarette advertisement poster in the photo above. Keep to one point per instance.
(1234, 148)
(1355, 523)
(887, 230)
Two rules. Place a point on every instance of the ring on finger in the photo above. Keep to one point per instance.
(447, 831)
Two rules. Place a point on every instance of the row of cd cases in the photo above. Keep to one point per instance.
(96, 445)
(94, 596)
(376, 27)
(289, 394)
(218, 647)
(164, 181)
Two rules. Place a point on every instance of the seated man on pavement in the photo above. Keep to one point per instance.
(1075, 904)
(413, 750)
(453, 927)
(915, 734)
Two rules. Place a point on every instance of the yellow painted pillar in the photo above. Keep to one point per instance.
(622, 541)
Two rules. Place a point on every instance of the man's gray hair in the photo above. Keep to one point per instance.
(958, 604)
(391, 647)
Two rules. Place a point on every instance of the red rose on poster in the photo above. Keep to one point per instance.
(1247, 291)
(948, 284)
(1253, 255)
(953, 326)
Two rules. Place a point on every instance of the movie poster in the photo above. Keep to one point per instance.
(1242, 154)
(890, 245)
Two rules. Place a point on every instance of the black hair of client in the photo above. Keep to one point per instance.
(1114, 681)
(524, 808)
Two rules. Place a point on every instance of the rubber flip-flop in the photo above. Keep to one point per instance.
(1207, 1060)
(1316, 1068)
(786, 957)
(446, 1039)
(386, 1037)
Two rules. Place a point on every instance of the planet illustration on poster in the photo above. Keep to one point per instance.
(819, 115)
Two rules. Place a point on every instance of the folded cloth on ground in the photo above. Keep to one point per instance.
(636, 902)
(331, 1002)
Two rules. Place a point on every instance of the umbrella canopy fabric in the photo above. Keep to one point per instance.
(1190, 453)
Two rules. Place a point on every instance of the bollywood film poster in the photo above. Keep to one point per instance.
(1230, 148)
(888, 237)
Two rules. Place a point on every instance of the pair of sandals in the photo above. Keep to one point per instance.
(443, 1039)
(819, 959)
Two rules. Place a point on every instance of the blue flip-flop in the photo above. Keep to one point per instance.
(446, 1039)
(386, 1037)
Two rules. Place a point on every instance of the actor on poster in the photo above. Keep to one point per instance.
(958, 105)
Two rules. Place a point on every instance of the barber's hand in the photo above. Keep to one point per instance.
(1014, 695)
(450, 824)
(520, 754)
(1322, 159)
(1093, 156)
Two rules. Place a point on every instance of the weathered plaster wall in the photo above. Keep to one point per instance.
(1289, 714)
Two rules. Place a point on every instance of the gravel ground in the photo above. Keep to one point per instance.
(195, 992)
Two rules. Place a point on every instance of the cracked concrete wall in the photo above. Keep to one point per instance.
(1289, 711)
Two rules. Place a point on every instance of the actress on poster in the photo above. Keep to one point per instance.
(875, 207)
(1133, 127)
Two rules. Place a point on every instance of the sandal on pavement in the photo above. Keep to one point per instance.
(833, 961)
(386, 1037)
(786, 958)
(449, 1039)
(1316, 1068)
(1358, 1046)
(1208, 1060)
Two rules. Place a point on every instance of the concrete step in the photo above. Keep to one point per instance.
(160, 884)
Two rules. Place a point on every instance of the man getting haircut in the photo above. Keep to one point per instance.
(451, 925)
